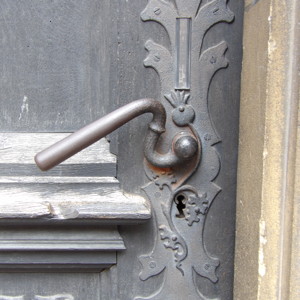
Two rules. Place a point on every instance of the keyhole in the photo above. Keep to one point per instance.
(180, 201)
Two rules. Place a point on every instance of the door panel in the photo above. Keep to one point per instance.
(67, 63)
(52, 53)
(223, 107)
(63, 286)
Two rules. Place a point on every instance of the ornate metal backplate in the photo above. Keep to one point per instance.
(180, 209)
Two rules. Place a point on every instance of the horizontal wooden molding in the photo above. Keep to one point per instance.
(83, 189)
(51, 249)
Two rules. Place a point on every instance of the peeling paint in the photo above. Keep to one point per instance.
(262, 243)
(68, 211)
(24, 107)
(50, 208)
(272, 46)
(55, 297)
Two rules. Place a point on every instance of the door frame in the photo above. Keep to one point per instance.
(268, 211)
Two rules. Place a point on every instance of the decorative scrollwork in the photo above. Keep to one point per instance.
(185, 71)
(196, 205)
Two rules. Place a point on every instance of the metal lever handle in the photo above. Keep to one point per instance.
(184, 147)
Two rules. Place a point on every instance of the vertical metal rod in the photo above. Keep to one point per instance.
(183, 53)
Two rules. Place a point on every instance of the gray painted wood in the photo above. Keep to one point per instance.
(56, 202)
(54, 63)
(20, 148)
(69, 249)
(54, 66)
(78, 239)
(33, 286)
(82, 188)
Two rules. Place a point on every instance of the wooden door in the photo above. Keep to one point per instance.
(88, 228)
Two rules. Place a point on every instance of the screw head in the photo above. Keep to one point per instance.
(181, 108)
(197, 210)
(157, 10)
(183, 115)
(157, 57)
(207, 137)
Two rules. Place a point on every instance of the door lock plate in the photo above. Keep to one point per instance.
(180, 204)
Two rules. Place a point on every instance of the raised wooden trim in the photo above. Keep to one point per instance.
(45, 249)
(48, 219)
(21, 147)
(83, 189)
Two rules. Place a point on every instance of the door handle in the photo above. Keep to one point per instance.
(183, 148)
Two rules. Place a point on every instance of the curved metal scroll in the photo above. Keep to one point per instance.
(185, 70)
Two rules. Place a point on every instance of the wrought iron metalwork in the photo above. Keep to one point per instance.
(185, 70)
(180, 209)
(185, 146)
